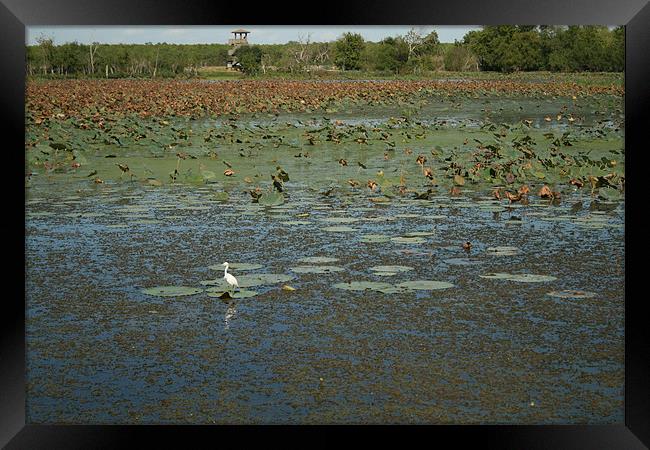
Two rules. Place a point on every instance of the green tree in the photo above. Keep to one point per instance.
(391, 54)
(347, 50)
(250, 58)
(459, 59)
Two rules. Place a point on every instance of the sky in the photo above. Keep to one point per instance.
(220, 34)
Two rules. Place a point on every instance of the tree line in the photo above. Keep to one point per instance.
(506, 48)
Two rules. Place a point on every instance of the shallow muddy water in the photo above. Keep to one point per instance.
(497, 346)
(484, 350)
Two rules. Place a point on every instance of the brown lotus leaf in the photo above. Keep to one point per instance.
(513, 197)
(545, 192)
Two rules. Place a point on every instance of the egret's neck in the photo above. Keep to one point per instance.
(225, 271)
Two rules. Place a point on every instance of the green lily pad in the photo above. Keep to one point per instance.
(425, 285)
(317, 259)
(221, 196)
(419, 233)
(316, 269)
(520, 277)
(261, 279)
(171, 291)
(610, 194)
(503, 251)
(271, 199)
(374, 238)
(215, 282)
(571, 294)
(385, 274)
(408, 240)
(295, 222)
(362, 285)
(339, 229)
(491, 208)
(340, 219)
(391, 268)
(463, 261)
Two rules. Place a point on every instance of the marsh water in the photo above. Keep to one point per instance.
(486, 349)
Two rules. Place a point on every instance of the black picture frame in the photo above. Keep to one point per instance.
(16, 15)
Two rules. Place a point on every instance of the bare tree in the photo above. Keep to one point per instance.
(322, 53)
(92, 49)
(414, 39)
(301, 53)
(266, 59)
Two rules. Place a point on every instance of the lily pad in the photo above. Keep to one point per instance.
(362, 285)
(520, 277)
(463, 261)
(503, 251)
(318, 259)
(610, 194)
(316, 269)
(261, 279)
(340, 219)
(295, 222)
(391, 268)
(425, 285)
(571, 294)
(374, 238)
(408, 240)
(419, 233)
(271, 199)
(339, 229)
(171, 291)
(221, 196)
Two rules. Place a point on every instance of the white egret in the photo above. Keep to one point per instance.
(231, 280)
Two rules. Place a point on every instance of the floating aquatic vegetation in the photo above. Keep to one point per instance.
(221, 196)
(316, 269)
(362, 285)
(391, 268)
(271, 199)
(419, 233)
(295, 222)
(375, 238)
(520, 277)
(171, 291)
(339, 229)
(503, 251)
(340, 219)
(571, 294)
(261, 279)
(463, 261)
(425, 285)
(318, 259)
(408, 240)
